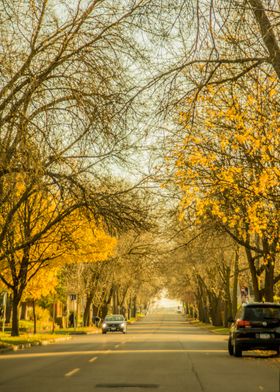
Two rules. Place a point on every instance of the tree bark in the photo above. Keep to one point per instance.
(202, 305)
(235, 283)
(228, 299)
(215, 308)
(254, 276)
(86, 318)
(34, 317)
(267, 33)
(269, 281)
(15, 320)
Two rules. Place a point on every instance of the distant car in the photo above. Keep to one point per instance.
(114, 323)
(256, 326)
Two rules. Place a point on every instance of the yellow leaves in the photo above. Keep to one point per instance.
(224, 143)
(228, 160)
(251, 99)
(266, 180)
(230, 175)
(256, 218)
(90, 242)
(184, 117)
(241, 138)
(43, 283)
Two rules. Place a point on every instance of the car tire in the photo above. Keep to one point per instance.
(230, 347)
(104, 332)
(237, 351)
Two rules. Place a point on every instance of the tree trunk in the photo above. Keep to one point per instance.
(134, 307)
(215, 308)
(15, 320)
(254, 277)
(228, 298)
(34, 316)
(53, 316)
(235, 283)
(9, 308)
(269, 38)
(201, 299)
(115, 299)
(86, 318)
(268, 282)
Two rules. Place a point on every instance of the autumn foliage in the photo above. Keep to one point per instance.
(227, 169)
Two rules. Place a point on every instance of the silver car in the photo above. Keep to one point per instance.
(114, 323)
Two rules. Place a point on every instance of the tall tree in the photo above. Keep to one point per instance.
(227, 168)
(64, 95)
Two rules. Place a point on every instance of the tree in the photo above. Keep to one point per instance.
(63, 117)
(76, 238)
(229, 39)
(227, 168)
(43, 284)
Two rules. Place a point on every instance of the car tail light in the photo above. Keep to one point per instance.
(243, 323)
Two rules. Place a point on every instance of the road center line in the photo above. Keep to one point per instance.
(93, 359)
(72, 372)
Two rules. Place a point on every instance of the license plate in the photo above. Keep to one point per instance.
(265, 336)
(113, 329)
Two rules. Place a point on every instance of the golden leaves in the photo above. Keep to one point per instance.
(227, 164)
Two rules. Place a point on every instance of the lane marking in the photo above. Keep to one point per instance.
(117, 346)
(261, 387)
(93, 359)
(72, 372)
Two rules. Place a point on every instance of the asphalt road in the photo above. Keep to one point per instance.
(160, 353)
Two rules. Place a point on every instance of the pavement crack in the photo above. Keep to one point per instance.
(193, 369)
(197, 376)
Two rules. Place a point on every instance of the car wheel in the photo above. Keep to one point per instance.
(104, 332)
(237, 352)
(230, 347)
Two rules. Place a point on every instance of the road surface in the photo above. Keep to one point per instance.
(161, 353)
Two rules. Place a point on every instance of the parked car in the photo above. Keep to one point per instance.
(256, 326)
(114, 323)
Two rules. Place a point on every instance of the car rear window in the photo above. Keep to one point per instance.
(262, 313)
(114, 318)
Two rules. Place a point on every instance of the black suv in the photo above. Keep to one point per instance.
(256, 326)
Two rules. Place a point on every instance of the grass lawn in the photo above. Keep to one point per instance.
(6, 340)
(210, 327)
